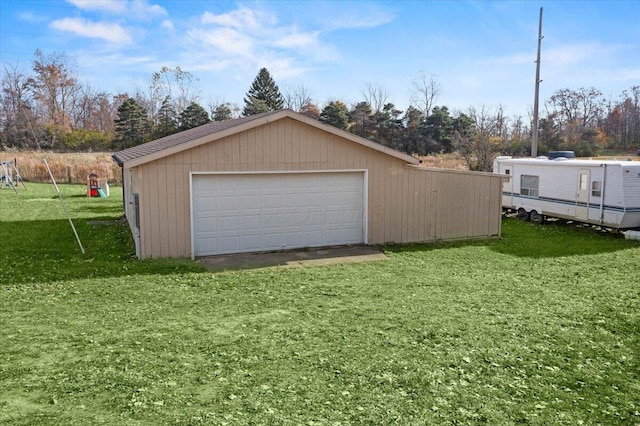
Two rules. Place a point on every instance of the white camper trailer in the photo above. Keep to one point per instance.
(603, 192)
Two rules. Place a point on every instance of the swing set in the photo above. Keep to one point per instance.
(9, 175)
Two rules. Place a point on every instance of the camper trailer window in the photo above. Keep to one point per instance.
(529, 185)
(596, 188)
(584, 179)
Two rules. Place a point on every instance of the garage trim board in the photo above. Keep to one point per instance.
(240, 212)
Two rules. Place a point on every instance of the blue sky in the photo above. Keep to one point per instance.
(480, 52)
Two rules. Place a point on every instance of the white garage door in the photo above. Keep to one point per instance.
(236, 213)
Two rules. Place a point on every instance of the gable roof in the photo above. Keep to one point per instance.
(210, 132)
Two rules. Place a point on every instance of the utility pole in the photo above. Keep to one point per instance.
(534, 136)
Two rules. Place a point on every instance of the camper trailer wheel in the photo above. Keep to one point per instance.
(523, 214)
(536, 217)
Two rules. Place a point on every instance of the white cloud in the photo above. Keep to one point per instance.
(242, 18)
(362, 16)
(563, 55)
(282, 67)
(105, 59)
(31, 17)
(168, 25)
(142, 9)
(582, 53)
(297, 40)
(136, 8)
(225, 40)
(251, 38)
(112, 6)
(100, 30)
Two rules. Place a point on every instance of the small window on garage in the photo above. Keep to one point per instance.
(596, 188)
(529, 185)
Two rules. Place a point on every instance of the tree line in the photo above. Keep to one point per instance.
(49, 108)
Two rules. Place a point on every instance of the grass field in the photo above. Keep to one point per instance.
(539, 327)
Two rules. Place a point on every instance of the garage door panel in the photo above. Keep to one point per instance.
(273, 241)
(251, 201)
(227, 203)
(271, 201)
(229, 244)
(351, 216)
(271, 222)
(252, 242)
(261, 212)
(229, 224)
(226, 185)
(205, 223)
(252, 223)
(293, 239)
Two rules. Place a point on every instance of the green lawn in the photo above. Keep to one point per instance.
(539, 327)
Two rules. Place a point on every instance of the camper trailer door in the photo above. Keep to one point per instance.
(582, 196)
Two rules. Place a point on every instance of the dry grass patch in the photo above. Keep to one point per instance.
(444, 161)
(66, 167)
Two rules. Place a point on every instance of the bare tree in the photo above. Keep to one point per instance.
(578, 112)
(295, 97)
(93, 110)
(376, 96)
(16, 109)
(425, 92)
(622, 119)
(480, 146)
(180, 86)
(54, 86)
(519, 138)
(582, 107)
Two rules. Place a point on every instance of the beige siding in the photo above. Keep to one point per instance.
(405, 203)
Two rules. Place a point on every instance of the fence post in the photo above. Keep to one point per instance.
(69, 173)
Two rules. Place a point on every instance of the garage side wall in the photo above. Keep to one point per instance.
(405, 204)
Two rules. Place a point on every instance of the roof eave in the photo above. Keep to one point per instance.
(117, 159)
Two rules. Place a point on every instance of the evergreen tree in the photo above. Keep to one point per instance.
(549, 134)
(361, 119)
(440, 128)
(413, 135)
(167, 120)
(388, 127)
(193, 116)
(335, 114)
(222, 112)
(263, 96)
(132, 124)
(255, 106)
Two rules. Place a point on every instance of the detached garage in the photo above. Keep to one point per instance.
(281, 180)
